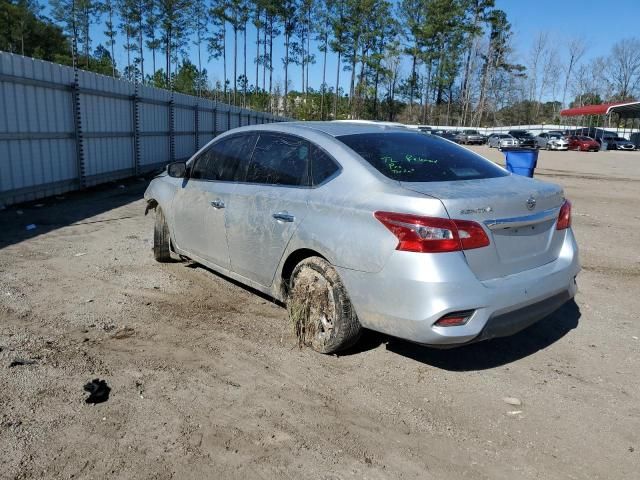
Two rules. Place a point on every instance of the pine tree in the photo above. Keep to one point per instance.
(109, 9)
(200, 22)
(175, 29)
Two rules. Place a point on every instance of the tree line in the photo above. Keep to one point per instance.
(446, 62)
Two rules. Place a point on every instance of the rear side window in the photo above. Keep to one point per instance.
(279, 160)
(322, 166)
(409, 157)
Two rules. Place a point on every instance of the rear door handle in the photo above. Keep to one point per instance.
(284, 217)
(217, 204)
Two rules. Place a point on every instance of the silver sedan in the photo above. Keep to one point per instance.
(552, 141)
(501, 140)
(370, 226)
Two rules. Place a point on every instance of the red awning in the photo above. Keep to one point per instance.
(602, 109)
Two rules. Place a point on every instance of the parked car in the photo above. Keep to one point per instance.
(470, 137)
(559, 133)
(582, 143)
(445, 134)
(525, 139)
(552, 141)
(501, 140)
(366, 226)
(618, 143)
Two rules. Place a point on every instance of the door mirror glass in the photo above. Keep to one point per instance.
(177, 169)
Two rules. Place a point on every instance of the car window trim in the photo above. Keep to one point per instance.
(257, 133)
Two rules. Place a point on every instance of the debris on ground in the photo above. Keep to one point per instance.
(98, 391)
(18, 362)
(512, 401)
(80, 254)
(125, 332)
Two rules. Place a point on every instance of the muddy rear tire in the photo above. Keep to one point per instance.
(161, 239)
(320, 311)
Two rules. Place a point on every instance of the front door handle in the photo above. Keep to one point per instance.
(217, 204)
(284, 217)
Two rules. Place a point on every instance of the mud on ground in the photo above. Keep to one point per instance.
(207, 380)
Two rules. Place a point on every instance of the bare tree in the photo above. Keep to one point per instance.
(624, 67)
(576, 49)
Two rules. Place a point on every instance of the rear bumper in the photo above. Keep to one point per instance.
(413, 291)
(510, 323)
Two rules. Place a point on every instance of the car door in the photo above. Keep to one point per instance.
(542, 140)
(268, 206)
(201, 203)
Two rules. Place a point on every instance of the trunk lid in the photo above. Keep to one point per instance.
(518, 214)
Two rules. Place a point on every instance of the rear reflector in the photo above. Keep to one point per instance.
(433, 235)
(455, 319)
(564, 217)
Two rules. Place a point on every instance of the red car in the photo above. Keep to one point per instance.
(585, 144)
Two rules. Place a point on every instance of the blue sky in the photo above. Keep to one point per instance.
(599, 24)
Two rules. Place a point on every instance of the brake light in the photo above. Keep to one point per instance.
(416, 233)
(564, 217)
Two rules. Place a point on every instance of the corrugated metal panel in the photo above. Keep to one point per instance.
(38, 140)
(36, 109)
(154, 125)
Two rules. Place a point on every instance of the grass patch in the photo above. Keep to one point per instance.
(299, 314)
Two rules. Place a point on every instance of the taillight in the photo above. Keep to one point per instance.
(564, 217)
(432, 235)
(455, 319)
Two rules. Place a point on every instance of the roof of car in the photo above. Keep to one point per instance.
(337, 128)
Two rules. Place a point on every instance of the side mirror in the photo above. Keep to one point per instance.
(177, 169)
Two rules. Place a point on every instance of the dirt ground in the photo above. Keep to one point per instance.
(207, 381)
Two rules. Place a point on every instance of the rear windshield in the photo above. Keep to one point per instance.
(408, 157)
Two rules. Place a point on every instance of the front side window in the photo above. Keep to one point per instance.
(199, 165)
(408, 157)
(279, 160)
(225, 160)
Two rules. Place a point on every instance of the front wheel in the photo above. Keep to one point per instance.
(320, 311)
(161, 238)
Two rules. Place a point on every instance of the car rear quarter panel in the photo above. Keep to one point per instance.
(341, 225)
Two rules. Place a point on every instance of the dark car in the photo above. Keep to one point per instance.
(525, 139)
(618, 143)
(583, 144)
(444, 134)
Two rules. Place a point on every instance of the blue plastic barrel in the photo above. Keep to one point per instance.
(521, 161)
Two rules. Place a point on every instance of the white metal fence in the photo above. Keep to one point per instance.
(63, 130)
